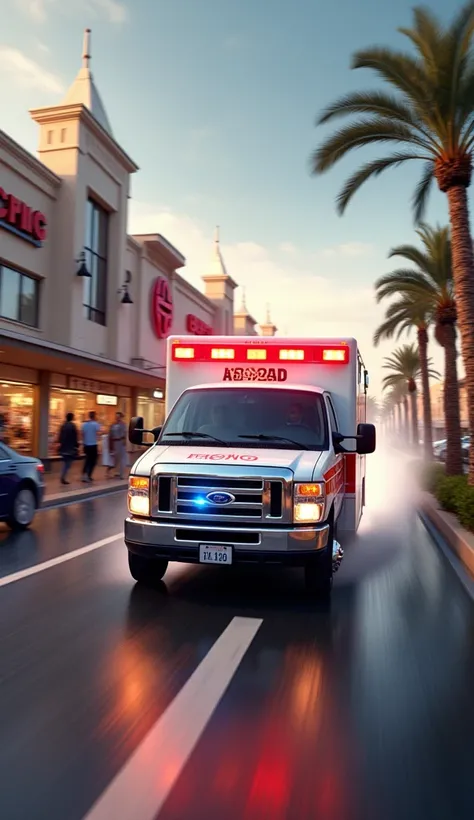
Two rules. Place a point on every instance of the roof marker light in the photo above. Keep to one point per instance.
(292, 355)
(334, 355)
(222, 353)
(183, 352)
(257, 353)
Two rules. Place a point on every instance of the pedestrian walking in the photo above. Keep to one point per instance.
(118, 444)
(68, 445)
(108, 460)
(90, 432)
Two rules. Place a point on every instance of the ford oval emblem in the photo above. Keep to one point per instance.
(220, 498)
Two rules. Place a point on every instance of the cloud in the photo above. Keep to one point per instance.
(349, 249)
(43, 47)
(27, 73)
(289, 248)
(111, 9)
(302, 303)
(296, 293)
(38, 10)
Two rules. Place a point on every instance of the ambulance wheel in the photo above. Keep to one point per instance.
(318, 572)
(147, 571)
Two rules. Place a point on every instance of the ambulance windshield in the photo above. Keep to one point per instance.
(294, 417)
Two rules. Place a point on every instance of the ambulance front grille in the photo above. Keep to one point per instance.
(186, 497)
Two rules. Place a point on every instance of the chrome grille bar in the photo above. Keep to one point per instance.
(260, 494)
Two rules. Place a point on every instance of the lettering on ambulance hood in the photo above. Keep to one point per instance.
(223, 457)
(255, 374)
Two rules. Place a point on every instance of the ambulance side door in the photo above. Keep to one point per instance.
(338, 458)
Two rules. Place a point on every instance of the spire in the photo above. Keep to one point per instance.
(268, 329)
(217, 266)
(83, 90)
(243, 308)
(86, 50)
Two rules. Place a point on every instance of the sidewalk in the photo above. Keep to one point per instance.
(55, 492)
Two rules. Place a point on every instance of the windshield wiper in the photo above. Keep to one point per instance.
(189, 434)
(262, 437)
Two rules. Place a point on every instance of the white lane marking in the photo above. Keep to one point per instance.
(141, 787)
(60, 559)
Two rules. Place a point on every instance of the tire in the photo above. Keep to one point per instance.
(147, 571)
(23, 509)
(319, 571)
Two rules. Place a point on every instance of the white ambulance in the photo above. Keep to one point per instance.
(261, 457)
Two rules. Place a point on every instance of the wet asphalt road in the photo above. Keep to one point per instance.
(363, 711)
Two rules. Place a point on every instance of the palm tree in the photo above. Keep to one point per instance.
(430, 117)
(431, 282)
(399, 398)
(372, 409)
(407, 313)
(405, 369)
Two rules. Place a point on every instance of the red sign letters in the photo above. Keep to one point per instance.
(161, 307)
(197, 327)
(18, 217)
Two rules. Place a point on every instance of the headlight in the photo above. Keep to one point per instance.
(139, 495)
(308, 503)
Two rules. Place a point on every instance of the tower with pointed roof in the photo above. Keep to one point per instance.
(268, 328)
(244, 323)
(76, 142)
(83, 91)
(219, 288)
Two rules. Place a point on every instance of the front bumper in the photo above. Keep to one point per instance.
(176, 541)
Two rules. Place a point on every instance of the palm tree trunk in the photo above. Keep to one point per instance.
(452, 413)
(425, 385)
(406, 419)
(463, 276)
(415, 437)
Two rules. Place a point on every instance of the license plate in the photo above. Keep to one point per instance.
(215, 554)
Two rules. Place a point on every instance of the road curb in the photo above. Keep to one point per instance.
(81, 495)
(459, 540)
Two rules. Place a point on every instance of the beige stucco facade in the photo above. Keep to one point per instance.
(54, 343)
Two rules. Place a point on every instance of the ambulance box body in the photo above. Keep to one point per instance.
(261, 457)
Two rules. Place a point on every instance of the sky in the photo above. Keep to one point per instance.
(216, 101)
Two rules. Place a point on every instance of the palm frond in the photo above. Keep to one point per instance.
(375, 103)
(408, 282)
(412, 254)
(398, 69)
(370, 169)
(362, 133)
(427, 106)
(422, 192)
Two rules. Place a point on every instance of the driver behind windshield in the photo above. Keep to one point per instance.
(218, 417)
(295, 415)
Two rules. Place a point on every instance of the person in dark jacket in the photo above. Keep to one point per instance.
(68, 445)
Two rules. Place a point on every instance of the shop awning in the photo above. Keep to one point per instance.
(20, 350)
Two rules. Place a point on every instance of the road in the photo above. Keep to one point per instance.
(120, 702)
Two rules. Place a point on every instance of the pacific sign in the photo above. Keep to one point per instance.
(19, 218)
(197, 327)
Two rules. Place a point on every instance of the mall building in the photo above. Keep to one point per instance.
(85, 308)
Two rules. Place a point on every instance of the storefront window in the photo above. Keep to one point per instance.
(16, 416)
(62, 402)
(152, 410)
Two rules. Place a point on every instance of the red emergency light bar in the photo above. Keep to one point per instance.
(259, 354)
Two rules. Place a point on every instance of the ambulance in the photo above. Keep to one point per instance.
(261, 458)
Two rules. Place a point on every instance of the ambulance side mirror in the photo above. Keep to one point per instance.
(135, 430)
(366, 439)
(156, 432)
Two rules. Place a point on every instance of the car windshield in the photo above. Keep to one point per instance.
(296, 418)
